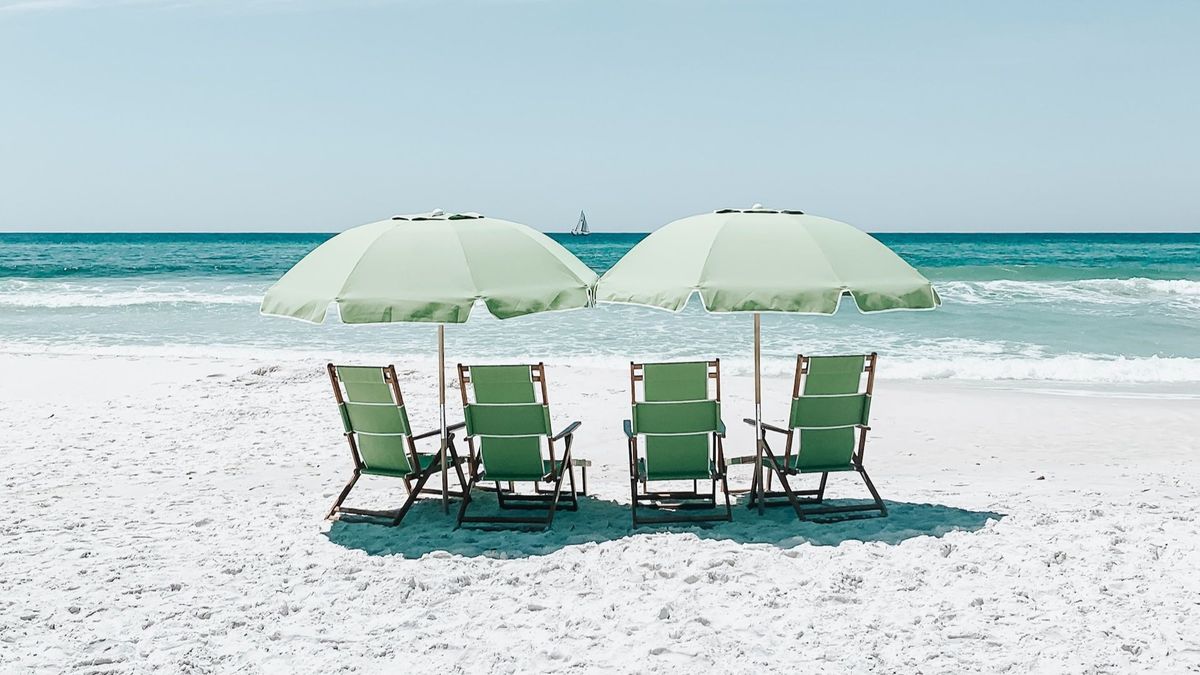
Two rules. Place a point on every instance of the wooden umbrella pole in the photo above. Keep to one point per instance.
(442, 405)
(758, 455)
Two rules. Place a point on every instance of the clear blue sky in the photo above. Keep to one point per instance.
(319, 115)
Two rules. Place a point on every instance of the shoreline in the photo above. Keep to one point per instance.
(781, 369)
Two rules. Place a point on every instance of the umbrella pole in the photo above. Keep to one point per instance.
(442, 405)
(758, 472)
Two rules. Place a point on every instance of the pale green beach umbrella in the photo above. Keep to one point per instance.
(762, 260)
(432, 268)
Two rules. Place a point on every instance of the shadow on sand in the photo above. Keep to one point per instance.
(426, 529)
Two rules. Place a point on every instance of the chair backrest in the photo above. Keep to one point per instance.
(677, 414)
(374, 417)
(828, 404)
(505, 415)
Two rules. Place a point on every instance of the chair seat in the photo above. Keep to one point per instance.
(549, 472)
(675, 475)
(793, 464)
(426, 461)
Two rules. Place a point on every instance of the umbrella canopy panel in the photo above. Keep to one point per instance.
(432, 268)
(760, 260)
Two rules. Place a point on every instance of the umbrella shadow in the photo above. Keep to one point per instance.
(427, 530)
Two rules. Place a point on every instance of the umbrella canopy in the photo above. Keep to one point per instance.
(432, 268)
(762, 260)
(759, 260)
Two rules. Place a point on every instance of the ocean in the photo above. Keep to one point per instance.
(1084, 308)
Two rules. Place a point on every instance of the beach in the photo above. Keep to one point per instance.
(167, 511)
(170, 455)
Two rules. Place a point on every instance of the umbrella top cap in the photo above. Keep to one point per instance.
(759, 208)
(438, 214)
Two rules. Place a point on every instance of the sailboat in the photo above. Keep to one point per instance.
(581, 228)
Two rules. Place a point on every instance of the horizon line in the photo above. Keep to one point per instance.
(603, 232)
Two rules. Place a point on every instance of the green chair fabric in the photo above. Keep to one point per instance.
(426, 460)
(379, 422)
(509, 423)
(676, 437)
(676, 381)
(686, 472)
(676, 419)
(827, 412)
(503, 384)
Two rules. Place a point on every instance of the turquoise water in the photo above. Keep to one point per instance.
(1088, 308)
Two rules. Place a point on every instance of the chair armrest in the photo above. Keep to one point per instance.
(437, 432)
(568, 431)
(628, 428)
(744, 459)
(721, 428)
(768, 427)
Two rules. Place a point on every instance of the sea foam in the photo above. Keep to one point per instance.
(1134, 290)
(58, 295)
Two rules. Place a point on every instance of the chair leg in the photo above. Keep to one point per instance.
(874, 493)
(633, 501)
(725, 488)
(584, 493)
(415, 492)
(781, 472)
(462, 509)
(790, 495)
(342, 497)
(557, 493)
(574, 494)
(462, 479)
(821, 489)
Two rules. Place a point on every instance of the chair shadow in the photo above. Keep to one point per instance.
(427, 530)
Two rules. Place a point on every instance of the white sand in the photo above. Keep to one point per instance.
(168, 513)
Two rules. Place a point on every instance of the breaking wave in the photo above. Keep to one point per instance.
(60, 295)
(1136, 290)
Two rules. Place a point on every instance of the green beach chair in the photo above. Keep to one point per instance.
(826, 432)
(508, 421)
(678, 420)
(381, 441)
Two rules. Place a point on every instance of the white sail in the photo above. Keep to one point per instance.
(581, 228)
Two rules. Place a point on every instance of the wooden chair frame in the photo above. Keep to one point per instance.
(421, 476)
(809, 502)
(679, 499)
(508, 497)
